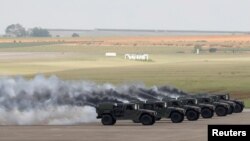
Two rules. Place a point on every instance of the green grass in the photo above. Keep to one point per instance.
(189, 74)
(193, 73)
(247, 103)
(19, 44)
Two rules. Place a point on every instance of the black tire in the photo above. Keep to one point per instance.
(177, 117)
(135, 121)
(158, 118)
(230, 110)
(192, 115)
(238, 108)
(221, 111)
(147, 120)
(207, 113)
(114, 122)
(108, 120)
(153, 121)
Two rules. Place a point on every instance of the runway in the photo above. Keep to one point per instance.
(122, 131)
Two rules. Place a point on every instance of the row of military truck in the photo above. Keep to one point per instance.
(148, 112)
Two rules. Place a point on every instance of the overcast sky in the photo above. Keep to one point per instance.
(221, 15)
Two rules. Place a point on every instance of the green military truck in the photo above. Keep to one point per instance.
(192, 112)
(230, 103)
(109, 113)
(164, 111)
(207, 110)
(221, 109)
(238, 105)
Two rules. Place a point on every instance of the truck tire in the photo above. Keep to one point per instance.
(207, 113)
(221, 111)
(147, 119)
(230, 110)
(108, 120)
(192, 115)
(177, 117)
(135, 121)
(238, 108)
(158, 119)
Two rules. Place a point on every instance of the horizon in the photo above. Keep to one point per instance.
(132, 29)
(206, 15)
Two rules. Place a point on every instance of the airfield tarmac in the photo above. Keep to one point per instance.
(122, 131)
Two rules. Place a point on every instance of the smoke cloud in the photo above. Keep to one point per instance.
(50, 100)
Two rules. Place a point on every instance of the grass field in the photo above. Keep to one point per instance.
(169, 65)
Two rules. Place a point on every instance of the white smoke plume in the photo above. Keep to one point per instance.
(52, 101)
(49, 115)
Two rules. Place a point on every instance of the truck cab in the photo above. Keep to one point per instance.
(207, 110)
(164, 111)
(239, 105)
(111, 112)
(192, 112)
(221, 109)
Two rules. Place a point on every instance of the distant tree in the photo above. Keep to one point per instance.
(197, 47)
(75, 35)
(39, 32)
(212, 50)
(15, 30)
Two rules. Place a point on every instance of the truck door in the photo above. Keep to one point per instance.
(130, 111)
(119, 111)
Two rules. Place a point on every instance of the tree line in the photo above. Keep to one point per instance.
(17, 30)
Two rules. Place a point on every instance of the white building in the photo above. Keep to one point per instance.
(141, 57)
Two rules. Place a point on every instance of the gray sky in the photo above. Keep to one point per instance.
(128, 14)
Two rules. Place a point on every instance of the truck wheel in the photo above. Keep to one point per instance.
(135, 121)
(147, 120)
(230, 110)
(221, 111)
(108, 120)
(177, 117)
(192, 115)
(238, 108)
(207, 113)
(158, 118)
(114, 121)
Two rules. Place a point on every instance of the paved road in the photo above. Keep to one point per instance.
(122, 131)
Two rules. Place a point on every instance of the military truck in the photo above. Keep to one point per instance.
(192, 112)
(207, 110)
(239, 105)
(109, 113)
(164, 111)
(216, 98)
(230, 103)
(221, 109)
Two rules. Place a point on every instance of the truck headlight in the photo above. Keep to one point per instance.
(165, 104)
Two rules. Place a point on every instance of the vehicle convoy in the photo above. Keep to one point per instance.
(109, 113)
(216, 98)
(164, 111)
(207, 110)
(230, 103)
(239, 105)
(221, 108)
(192, 112)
